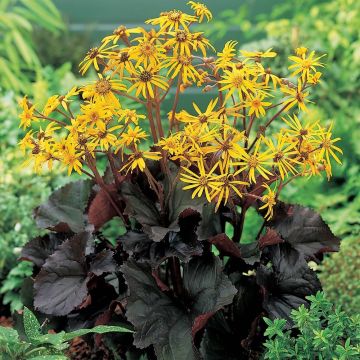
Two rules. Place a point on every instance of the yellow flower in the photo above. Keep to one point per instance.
(255, 162)
(314, 78)
(121, 32)
(268, 75)
(204, 182)
(326, 145)
(284, 155)
(304, 64)
(258, 54)
(199, 42)
(297, 97)
(102, 135)
(181, 42)
(298, 130)
(130, 116)
(228, 184)
(269, 201)
(27, 116)
(92, 112)
(145, 79)
(256, 105)
(71, 158)
(183, 64)
(94, 56)
(227, 55)
(238, 80)
(300, 51)
(200, 11)
(52, 103)
(133, 136)
(137, 160)
(146, 52)
(120, 62)
(103, 90)
(172, 20)
(202, 119)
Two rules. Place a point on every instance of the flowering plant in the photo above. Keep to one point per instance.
(176, 182)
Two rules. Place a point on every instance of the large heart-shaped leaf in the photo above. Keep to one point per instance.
(168, 324)
(286, 281)
(304, 229)
(61, 284)
(64, 209)
(38, 249)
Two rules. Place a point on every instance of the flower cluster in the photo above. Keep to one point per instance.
(251, 139)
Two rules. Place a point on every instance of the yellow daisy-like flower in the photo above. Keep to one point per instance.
(51, 105)
(297, 97)
(103, 90)
(145, 79)
(269, 201)
(226, 55)
(172, 20)
(199, 42)
(102, 135)
(255, 163)
(137, 160)
(183, 64)
(120, 62)
(130, 116)
(121, 32)
(147, 52)
(305, 64)
(132, 136)
(256, 105)
(70, 157)
(298, 130)
(257, 55)
(94, 56)
(27, 116)
(200, 11)
(181, 42)
(202, 119)
(238, 80)
(203, 182)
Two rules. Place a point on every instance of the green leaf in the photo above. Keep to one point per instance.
(31, 325)
(101, 329)
(49, 357)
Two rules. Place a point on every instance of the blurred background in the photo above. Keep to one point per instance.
(42, 42)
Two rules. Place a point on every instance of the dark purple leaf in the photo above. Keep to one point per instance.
(38, 249)
(304, 229)
(285, 281)
(165, 323)
(64, 209)
(61, 285)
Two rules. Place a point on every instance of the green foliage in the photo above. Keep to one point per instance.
(39, 346)
(340, 276)
(18, 59)
(320, 332)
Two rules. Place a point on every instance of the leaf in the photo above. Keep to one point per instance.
(49, 357)
(286, 281)
(61, 285)
(31, 325)
(304, 229)
(103, 262)
(271, 237)
(141, 248)
(101, 210)
(38, 249)
(64, 209)
(100, 329)
(166, 324)
(225, 245)
(139, 205)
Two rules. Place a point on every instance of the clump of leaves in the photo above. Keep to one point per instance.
(339, 274)
(36, 345)
(321, 332)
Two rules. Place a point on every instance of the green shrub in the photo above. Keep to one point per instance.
(340, 276)
(19, 62)
(321, 332)
(37, 345)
